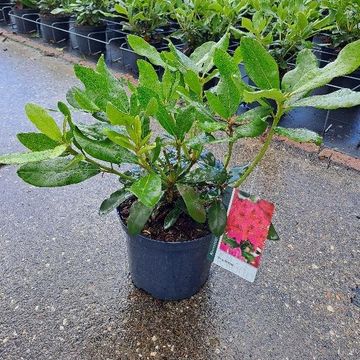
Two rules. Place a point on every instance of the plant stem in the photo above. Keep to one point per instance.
(230, 132)
(229, 154)
(263, 150)
(103, 167)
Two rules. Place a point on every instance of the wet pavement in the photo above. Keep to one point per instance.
(65, 291)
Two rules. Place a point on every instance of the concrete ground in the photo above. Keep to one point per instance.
(65, 291)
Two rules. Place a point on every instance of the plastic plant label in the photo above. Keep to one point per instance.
(241, 246)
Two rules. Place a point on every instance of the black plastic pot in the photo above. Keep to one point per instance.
(24, 20)
(52, 28)
(129, 60)
(168, 270)
(5, 8)
(87, 39)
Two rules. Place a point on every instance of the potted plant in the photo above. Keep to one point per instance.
(346, 21)
(203, 21)
(51, 24)
(145, 18)
(171, 192)
(26, 14)
(285, 27)
(90, 27)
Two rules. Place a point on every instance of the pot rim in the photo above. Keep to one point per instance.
(103, 25)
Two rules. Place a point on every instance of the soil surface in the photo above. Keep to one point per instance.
(185, 228)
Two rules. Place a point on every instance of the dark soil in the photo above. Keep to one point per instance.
(185, 229)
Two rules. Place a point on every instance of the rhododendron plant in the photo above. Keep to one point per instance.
(195, 103)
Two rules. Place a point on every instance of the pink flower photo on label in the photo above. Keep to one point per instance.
(247, 227)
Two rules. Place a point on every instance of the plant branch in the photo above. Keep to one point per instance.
(264, 148)
(101, 166)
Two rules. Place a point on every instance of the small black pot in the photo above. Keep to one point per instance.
(168, 270)
(90, 46)
(49, 34)
(23, 26)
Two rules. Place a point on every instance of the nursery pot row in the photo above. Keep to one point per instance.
(54, 29)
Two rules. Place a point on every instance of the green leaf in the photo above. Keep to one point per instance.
(56, 172)
(64, 109)
(184, 121)
(184, 62)
(84, 101)
(166, 120)
(272, 234)
(200, 140)
(43, 121)
(274, 94)
(172, 217)
(193, 202)
(217, 218)
(227, 99)
(104, 150)
(252, 114)
(299, 135)
(236, 173)
(152, 107)
(23, 158)
(206, 174)
(226, 64)
(37, 141)
(115, 200)
(121, 9)
(259, 64)
(141, 47)
(216, 105)
(139, 215)
(203, 56)
(119, 139)
(343, 98)
(347, 62)
(148, 76)
(97, 130)
(306, 63)
(170, 82)
(118, 117)
(193, 81)
(102, 86)
(254, 128)
(148, 189)
(212, 126)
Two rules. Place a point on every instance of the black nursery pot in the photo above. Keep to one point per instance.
(5, 7)
(129, 59)
(90, 46)
(47, 24)
(168, 270)
(23, 26)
